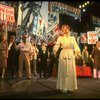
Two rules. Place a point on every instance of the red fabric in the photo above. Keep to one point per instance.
(80, 71)
(83, 71)
(54, 71)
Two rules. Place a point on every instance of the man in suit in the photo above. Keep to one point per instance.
(12, 56)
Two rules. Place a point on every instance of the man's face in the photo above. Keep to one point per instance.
(99, 44)
(12, 39)
(43, 44)
(24, 39)
(85, 48)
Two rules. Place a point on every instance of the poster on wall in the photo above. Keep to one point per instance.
(53, 18)
(27, 13)
(32, 19)
(53, 33)
(92, 37)
(59, 7)
(6, 13)
(7, 18)
(53, 24)
(83, 37)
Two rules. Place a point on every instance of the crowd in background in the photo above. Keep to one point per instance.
(26, 57)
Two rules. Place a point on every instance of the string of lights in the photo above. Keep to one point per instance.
(86, 4)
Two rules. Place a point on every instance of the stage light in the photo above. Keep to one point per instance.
(84, 10)
(80, 6)
(76, 18)
(88, 2)
(83, 6)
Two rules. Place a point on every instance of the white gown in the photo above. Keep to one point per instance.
(66, 78)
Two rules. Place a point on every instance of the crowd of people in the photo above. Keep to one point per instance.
(91, 60)
(26, 56)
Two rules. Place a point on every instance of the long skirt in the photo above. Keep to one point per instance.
(66, 79)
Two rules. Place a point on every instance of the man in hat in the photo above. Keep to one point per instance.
(24, 57)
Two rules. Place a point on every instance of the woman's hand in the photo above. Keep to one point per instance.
(78, 53)
(65, 47)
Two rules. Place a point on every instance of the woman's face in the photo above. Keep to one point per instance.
(98, 44)
(65, 30)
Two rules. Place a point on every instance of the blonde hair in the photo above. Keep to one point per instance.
(65, 26)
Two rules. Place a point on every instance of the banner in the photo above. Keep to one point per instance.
(53, 33)
(64, 8)
(40, 26)
(92, 37)
(7, 18)
(83, 37)
(53, 25)
(35, 22)
(7, 13)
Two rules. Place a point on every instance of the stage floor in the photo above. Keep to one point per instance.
(46, 88)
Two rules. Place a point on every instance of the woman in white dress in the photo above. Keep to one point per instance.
(67, 78)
